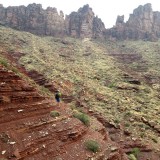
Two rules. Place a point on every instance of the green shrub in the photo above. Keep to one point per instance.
(4, 62)
(155, 140)
(82, 117)
(147, 90)
(92, 145)
(15, 70)
(127, 114)
(116, 121)
(132, 157)
(147, 127)
(127, 124)
(142, 135)
(135, 152)
(54, 114)
(112, 85)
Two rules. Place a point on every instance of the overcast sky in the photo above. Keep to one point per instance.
(107, 10)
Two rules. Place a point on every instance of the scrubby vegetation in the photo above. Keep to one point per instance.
(82, 117)
(3, 62)
(92, 145)
(135, 152)
(120, 80)
(54, 114)
(132, 157)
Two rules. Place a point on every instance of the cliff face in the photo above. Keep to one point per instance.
(142, 24)
(84, 24)
(33, 19)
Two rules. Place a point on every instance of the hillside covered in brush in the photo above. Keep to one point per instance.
(116, 83)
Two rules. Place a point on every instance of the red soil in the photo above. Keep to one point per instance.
(27, 131)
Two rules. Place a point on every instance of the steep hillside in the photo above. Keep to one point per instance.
(34, 127)
(116, 82)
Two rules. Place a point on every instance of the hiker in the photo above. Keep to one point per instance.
(57, 97)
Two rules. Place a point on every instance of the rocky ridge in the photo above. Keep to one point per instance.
(35, 19)
(84, 24)
(143, 23)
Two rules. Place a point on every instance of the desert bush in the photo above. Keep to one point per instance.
(15, 70)
(132, 157)
(127, 114)
(116, 121)
(92, 145)
(82, 117)
(4, 62)
(126, 124)
(135, 152)
(54, 114)
(154, 140)
(41, 50)
(142, 135)
(112, 85)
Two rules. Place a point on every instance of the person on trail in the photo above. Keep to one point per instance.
(57, 97)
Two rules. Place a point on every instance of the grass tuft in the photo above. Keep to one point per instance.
(136, 152)
(54, 114)
(4, 62)
(82, 117)
(92, 145)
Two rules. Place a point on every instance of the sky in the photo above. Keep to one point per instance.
(107, 10)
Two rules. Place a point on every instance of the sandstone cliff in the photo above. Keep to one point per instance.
(142, 24)
(84, 24)
(33, 19)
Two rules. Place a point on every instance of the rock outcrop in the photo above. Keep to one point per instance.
(34, 19)
(84, 24)
(142, 24)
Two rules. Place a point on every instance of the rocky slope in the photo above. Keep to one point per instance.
(27, 131)
(115, 83)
